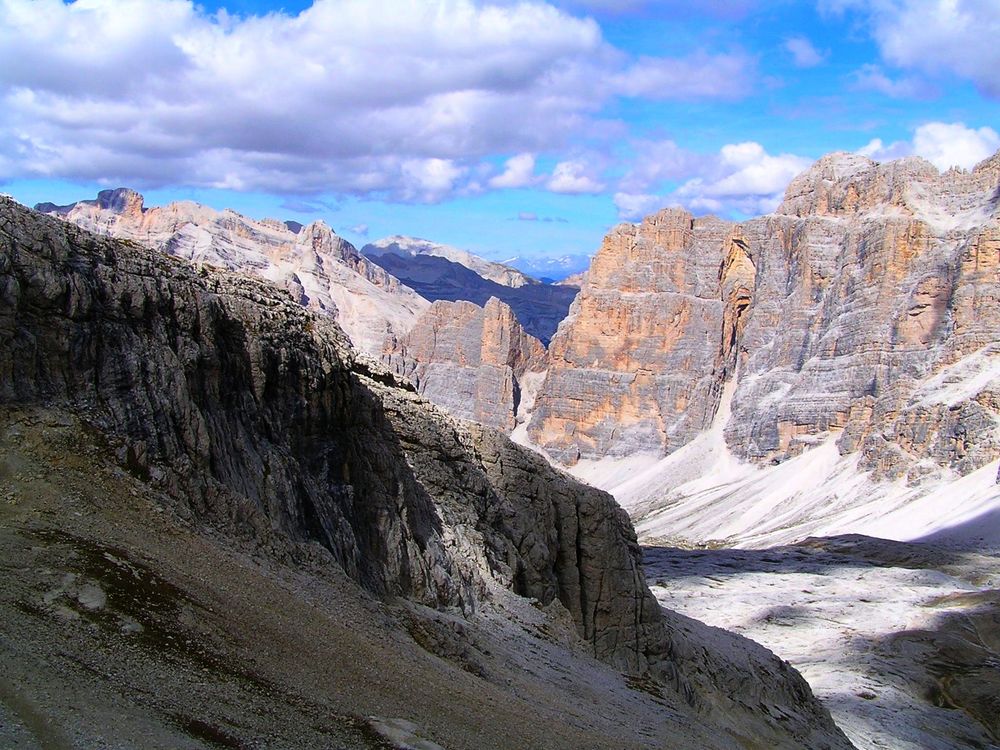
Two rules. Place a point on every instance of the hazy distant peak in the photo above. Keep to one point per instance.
(402, 245)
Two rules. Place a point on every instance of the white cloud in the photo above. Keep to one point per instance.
(741, 179)
(659, 161)
(573, 177)
(747, 180)
(633, 206)
(398, 98)
(879, 151)
(360, 229)
(429, 180)
(519, 171)
(872, 78)
(701, 75)
(936, 36)
(948, 145)
(674, 8)
(803, 53)
(944, 145)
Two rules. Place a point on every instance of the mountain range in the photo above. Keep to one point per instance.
(831, 368)
(230, 530)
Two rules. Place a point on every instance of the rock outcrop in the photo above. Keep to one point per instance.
(539, 307)
(323, 271)
(841, 314)
(251, 415)
(474, 362)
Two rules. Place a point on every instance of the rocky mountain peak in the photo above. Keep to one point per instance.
(843, 184)
(868, 279)
(121, 201)
(470, 360)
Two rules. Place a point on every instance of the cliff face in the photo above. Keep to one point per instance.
(469, 360)
(321, 270)
(634, 366)
(836, 314)
(252, 416)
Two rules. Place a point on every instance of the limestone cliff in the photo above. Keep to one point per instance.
(248, 414)
(470, 360)
(323, 271)
(836, 314)
(636, 364)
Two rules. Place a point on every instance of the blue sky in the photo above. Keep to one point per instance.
(506, 128)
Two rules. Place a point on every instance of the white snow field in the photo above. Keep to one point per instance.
(899, 639)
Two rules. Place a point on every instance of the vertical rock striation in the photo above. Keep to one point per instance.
(843, 314)
(635, 365)
(469, 360)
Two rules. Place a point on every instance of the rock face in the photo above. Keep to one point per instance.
(250, 413)
(866, 307)
(403, 246)
(638, 361)
(323, 272)
(471, 361)
(539, 307)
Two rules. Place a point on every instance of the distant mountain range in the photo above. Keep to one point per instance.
(437, 272)
(550, 269)
(403, 246)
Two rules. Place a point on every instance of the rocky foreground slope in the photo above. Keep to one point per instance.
(321, 270)
(223, 530)
(865, 310)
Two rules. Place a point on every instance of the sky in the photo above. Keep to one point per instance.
(505, 128)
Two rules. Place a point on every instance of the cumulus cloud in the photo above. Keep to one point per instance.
(519, 171)
(948, 145)
(944, 145)
(404, 100)
(803, 53)
(936, 36)
(633, 206)
(745, 179)
(741, 179)
(574, 177)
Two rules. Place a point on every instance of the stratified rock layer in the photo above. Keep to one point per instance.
(251, 414)
(836, 313)
(322, 271)
(469, 360)
(637, 363)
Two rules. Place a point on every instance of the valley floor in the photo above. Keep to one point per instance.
(900, 641)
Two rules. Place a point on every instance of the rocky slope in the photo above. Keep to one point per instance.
(403, 246)
(321, 270)
(133, 383)
(474, 362)
(539, 307)
(838, 316)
